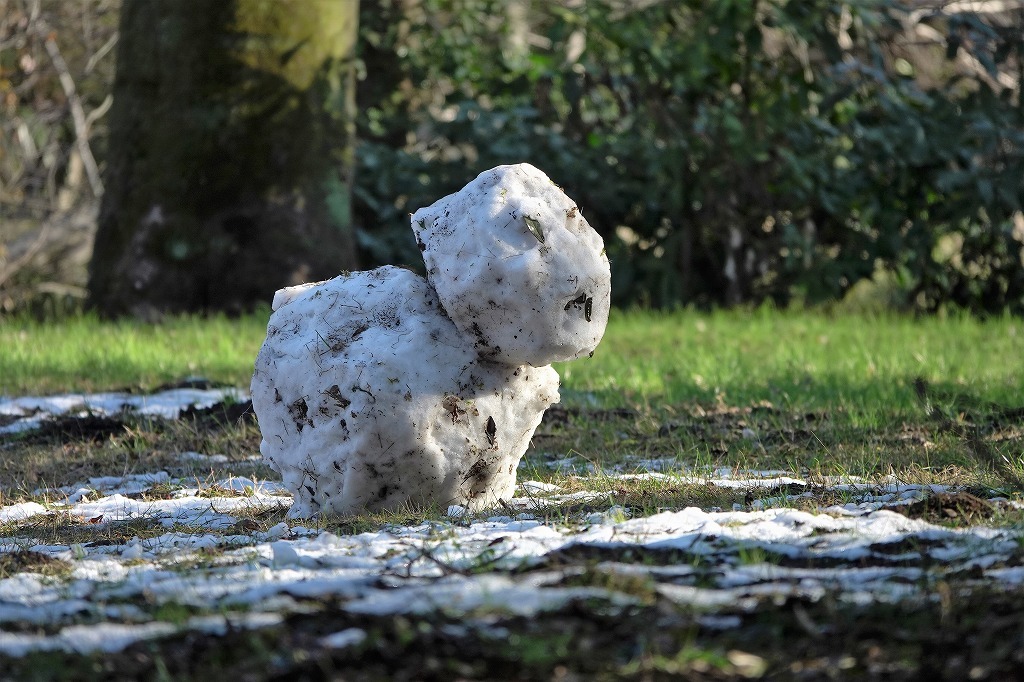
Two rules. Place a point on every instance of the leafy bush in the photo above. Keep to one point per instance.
(728, 151)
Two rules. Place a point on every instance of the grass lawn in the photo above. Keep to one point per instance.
(934, 401)
(862, 365)
(86, 354)
(768, 389)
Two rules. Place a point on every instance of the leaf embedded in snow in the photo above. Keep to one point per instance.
(491, 430)
(534, 226)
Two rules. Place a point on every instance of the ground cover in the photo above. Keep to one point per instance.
(722, 496)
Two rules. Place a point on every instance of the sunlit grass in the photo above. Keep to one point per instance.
(87, 354)
(735, 394)
(798, 361)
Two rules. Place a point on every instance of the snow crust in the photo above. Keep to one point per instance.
(467, 565)
(28, 412)
(517, 267)
(850, 554)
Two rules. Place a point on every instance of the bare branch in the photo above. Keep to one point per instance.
(8, 271)
(98, 113)
(77, 115)
(100, 53)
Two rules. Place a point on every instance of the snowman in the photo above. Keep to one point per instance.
(385, 390)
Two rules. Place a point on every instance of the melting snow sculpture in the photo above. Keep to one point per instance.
(380, 389)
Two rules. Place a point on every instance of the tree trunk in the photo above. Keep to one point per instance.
(231, 154)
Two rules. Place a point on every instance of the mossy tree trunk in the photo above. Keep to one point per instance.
(231, 154)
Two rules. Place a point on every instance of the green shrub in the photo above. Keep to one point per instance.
(728, 151)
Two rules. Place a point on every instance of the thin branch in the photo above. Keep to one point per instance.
(77, 115)
(7, 272)
(100, 53)
(97, 113)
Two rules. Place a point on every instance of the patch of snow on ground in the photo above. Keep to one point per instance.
(30, 411)
(716, 561)
(720, 563)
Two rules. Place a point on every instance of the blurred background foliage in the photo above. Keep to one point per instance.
(729, 151)
(56, 76)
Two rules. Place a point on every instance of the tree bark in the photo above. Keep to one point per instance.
(231, 154)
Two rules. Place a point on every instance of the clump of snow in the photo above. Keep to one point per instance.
(344, 638)
(380, 389)
(368, 397)
(517, 267)
(22, 510)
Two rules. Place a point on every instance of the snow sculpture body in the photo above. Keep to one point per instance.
(369, 397)
(380, 389)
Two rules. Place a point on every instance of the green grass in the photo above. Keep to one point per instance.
(804, 391)
(935, 400)
(87, 354)
(798, 361)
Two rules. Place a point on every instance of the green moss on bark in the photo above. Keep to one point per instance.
(230, 161)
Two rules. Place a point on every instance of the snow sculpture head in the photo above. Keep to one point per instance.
(517, 267)
(380, 389)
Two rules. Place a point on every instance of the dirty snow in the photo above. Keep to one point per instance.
(369, 398)
(456, 565)
(205, 557)
(29, 412)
